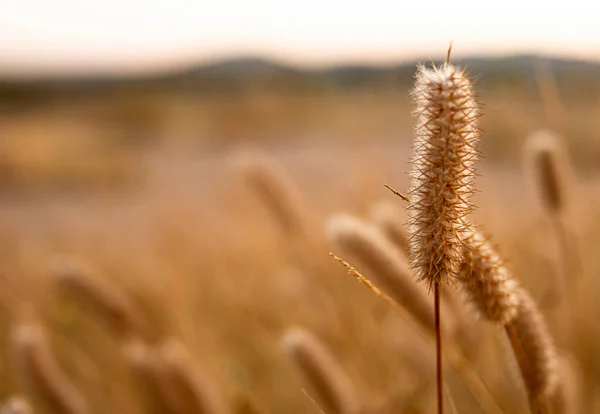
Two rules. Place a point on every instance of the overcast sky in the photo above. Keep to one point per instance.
(141, 35)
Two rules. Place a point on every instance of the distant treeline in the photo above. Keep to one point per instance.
(244, 75)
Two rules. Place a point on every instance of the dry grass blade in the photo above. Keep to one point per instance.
(549, 93)
(389, 267)
(331, 386)
(39, 372)
(471, 379)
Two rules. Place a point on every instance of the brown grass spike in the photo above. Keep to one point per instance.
(277, 190)
(534, 351)
(186, 389)
(101, 297)
(39, 372)
(332, 388)
(487, 282)
(441, 182)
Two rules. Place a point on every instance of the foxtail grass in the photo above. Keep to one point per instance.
(567, 397)
(462, 365)
(40, 373)
(143, 363)
(185, 387)
(99, 297)
(486, 281)
(277, 191)
(547, 162)
(328, 383)
(390, 268)
(535, 353)
(441, 180)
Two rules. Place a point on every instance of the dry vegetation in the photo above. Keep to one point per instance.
(152, 263)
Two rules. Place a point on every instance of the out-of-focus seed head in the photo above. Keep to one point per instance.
(548, 164)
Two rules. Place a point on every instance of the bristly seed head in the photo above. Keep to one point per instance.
(486, 280)
(442, 173)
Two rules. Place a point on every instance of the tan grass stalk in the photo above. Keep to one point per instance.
(441, 184)
(144, 365)
(534, 351)
(390, 268)
(101, 297)
(277, 190)
(16, 405)
(329, 384)
(186, 389)
(486, 280)
(549, 93)
(40, 373)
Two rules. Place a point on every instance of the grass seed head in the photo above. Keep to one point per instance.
(443, 167)
(486, 280)
(40, 373)
(547, 160)
(332, 388)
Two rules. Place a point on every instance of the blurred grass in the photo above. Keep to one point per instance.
(87, 134)
(201, 255)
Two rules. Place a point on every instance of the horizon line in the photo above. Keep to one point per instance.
(181, 65)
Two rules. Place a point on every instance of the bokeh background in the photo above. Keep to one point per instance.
(130, 133)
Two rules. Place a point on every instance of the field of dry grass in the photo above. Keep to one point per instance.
(178, 225)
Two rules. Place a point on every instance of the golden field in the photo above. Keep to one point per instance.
(153, 192)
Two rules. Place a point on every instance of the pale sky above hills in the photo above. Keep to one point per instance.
(68, 36)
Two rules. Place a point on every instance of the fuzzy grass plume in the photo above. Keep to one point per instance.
(441, 181)
(443, 164)
(40, 373)
(486, 280)
(332, 389)
(535, 352)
